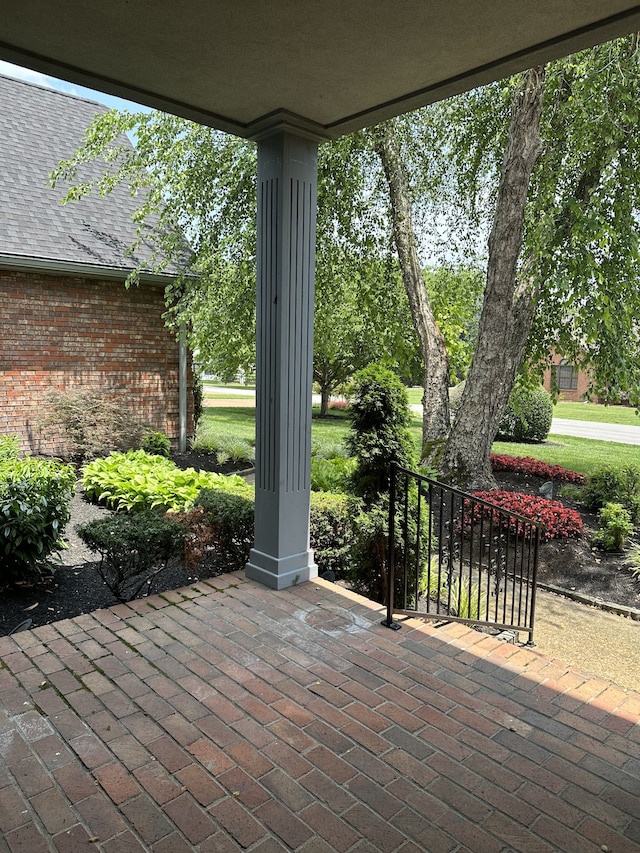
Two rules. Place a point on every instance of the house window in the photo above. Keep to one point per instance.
(566, 376)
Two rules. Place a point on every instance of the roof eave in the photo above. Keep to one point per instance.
(23, 263)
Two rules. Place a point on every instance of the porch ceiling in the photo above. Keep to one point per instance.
(338, 66)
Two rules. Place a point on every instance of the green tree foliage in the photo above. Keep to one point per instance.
(580, 248)
(197, 191)
(569, 278)
(455, 293)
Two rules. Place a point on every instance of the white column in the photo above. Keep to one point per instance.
(287, 185)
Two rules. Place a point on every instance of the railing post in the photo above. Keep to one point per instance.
(532, 613)
(393, 473)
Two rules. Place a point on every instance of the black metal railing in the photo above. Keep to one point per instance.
(454, 557)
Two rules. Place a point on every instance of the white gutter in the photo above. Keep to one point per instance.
(182, 391)
(53, 265)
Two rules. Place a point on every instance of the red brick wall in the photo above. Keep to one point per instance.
(571, 396)
(60, 332)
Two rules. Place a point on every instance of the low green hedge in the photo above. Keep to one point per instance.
(331, 532)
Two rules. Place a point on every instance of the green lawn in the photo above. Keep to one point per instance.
(415, 396)
(576, 454)
(596, 413)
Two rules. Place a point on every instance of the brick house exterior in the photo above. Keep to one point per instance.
(571, 380)
(67, 320)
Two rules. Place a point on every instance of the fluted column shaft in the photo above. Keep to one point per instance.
(287, 187)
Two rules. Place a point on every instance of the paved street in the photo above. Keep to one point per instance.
(603, 432)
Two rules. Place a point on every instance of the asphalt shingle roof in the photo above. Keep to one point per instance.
(38, 128)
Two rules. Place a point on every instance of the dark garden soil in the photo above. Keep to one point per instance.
(77, 587)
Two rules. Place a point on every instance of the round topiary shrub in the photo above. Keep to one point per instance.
(527, 416)
(134, 547)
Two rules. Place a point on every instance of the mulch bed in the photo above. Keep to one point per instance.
(77, 588)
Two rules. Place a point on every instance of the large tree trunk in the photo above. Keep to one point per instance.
(435, 399)
(509, 303)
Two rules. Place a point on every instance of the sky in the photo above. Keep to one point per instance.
(39, 79)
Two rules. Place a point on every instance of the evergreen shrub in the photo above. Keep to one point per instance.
(35, 498)
(527, 416)
(229, 520)
(331, 532)
(378, 436)
(134, 547)
(379, 433)
(614, 484)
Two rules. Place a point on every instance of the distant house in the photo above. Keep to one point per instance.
(66, 318)
(571, 380)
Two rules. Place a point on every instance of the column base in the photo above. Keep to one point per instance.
(279, 573)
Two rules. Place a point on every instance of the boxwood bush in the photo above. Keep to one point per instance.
(220, 527)
(134, 547)
(228, 516)
(331, 532)
(35, 498)
(528, 415)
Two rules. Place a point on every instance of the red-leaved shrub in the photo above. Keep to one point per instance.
(536, 468)
(557, 520)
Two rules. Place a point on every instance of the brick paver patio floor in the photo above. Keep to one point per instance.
(231, 717)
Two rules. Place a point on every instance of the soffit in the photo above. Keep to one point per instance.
(337, 65)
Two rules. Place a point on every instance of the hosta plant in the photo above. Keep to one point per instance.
(137, 480)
